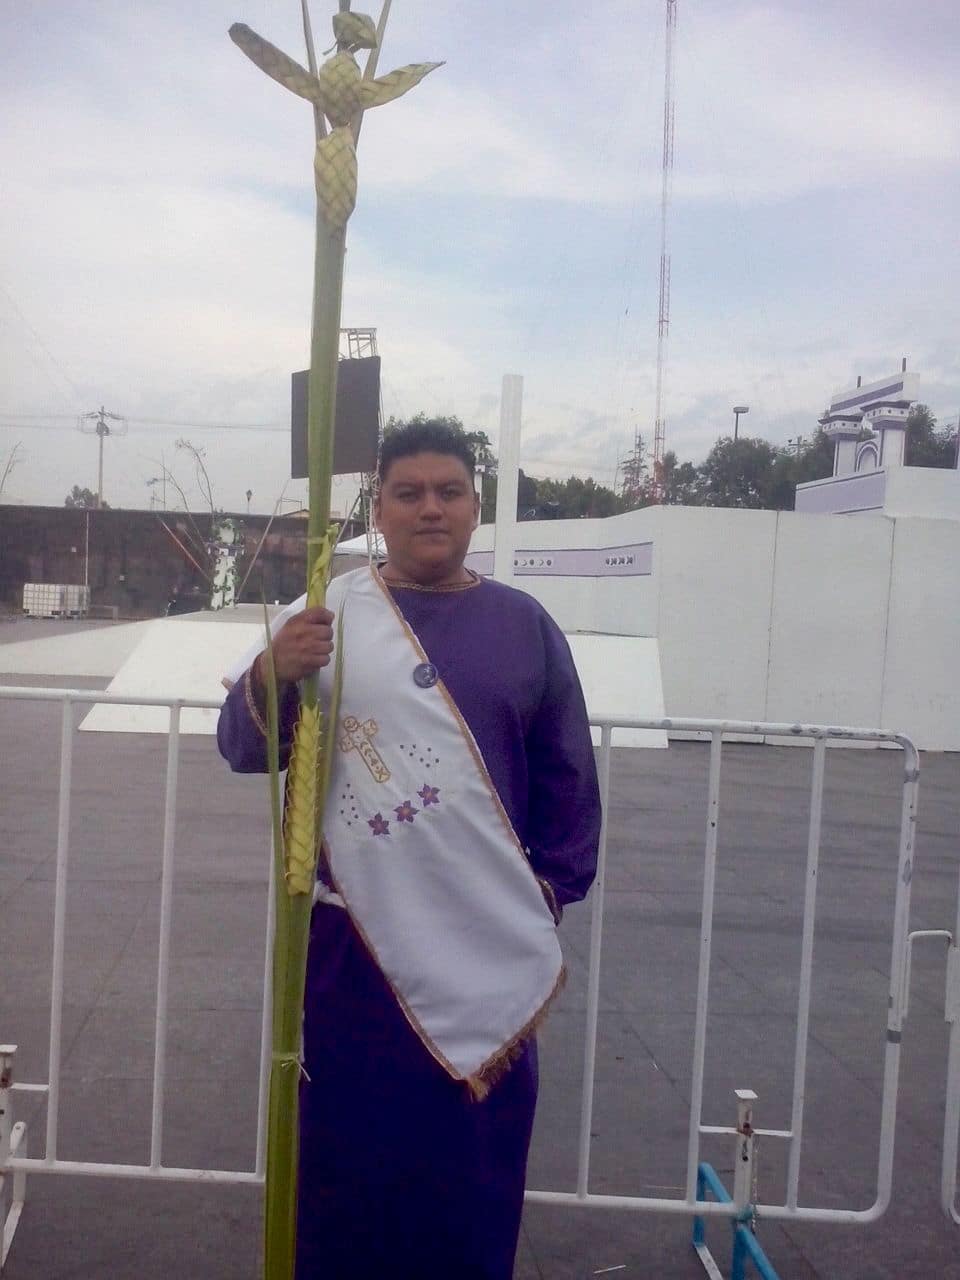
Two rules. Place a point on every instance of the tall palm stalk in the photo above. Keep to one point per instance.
(340, 95)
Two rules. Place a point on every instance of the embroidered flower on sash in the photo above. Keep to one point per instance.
(379, 825)
(405, 812)
(429, 795)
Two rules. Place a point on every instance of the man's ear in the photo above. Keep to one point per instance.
(476, 510)
(376, 510)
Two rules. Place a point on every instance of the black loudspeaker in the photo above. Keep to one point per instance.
(357, 423)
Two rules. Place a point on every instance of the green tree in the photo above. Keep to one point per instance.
(78, 497)
(737, 473)
(680, 482)
(815, 458)
(812, 459)
(635, 469)
(926, 444)
(572, 499)
(527, 497)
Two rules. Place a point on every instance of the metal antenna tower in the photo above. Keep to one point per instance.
(101, 428)
(663, 320)
(356, 344)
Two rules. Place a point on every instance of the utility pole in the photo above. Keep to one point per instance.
(101, 428)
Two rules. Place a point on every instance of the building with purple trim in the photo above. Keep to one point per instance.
(868, 425)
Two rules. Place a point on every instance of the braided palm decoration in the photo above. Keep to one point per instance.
(339, 95)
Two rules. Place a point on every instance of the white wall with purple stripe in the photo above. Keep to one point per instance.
(768, 615)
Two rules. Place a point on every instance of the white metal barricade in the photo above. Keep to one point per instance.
(899, 975)
(13, 1136)
(15, 1160)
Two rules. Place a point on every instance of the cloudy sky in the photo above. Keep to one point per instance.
(156, 226)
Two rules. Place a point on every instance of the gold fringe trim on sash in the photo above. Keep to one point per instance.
(499, 1063)
(496, 1067)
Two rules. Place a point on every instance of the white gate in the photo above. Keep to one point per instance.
(15, 1160)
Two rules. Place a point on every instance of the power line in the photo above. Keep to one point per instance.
(26, 416)
(213, 426)
(45, 422)
(40, 342)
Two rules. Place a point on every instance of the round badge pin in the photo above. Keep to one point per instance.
(425, 676)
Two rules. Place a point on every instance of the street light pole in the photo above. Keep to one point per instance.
(737, 410)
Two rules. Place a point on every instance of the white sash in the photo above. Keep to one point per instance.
(422, 852)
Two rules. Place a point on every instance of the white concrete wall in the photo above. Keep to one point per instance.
(921, 692)
(612, 605)
(716, 579)
(568, 600)
(828, 621)
(784, 616)
(630, 606)
(842, 494)
(926, 492)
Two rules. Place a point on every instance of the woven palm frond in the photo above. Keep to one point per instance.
(374, 93)
(278, 65)
(355, 30)
(300, 833)
(338, 79)
(335, 162)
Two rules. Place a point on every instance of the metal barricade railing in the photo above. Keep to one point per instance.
(50, 1162)
(12, 1137)
(820, 735)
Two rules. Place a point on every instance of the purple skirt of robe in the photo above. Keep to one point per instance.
(402, 1175)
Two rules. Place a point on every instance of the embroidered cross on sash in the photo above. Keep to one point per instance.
(358, 737)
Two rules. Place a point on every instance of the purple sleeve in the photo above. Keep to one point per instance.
(563, 829)
(241, 733)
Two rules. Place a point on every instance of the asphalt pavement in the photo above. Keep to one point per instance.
(85, 1227)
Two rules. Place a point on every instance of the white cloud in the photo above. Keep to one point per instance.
(157, 229)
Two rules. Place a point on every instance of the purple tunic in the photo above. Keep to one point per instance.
(402, 1175)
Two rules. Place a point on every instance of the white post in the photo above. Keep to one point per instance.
(806, 971)
(593, 978)
(508, 467)
(59, 925)
(703, 974)
(743, 1165)
(163, 955)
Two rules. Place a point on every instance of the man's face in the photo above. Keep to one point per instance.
(427, 511)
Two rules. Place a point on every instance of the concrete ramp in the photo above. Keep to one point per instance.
(99, 652)
(621, 680)
(174, 659)
(186, 657)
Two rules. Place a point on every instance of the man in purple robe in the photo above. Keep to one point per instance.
(403, 1174)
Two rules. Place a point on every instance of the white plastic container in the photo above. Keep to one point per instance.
(55, 600)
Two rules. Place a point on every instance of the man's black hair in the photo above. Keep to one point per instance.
(429, 436)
